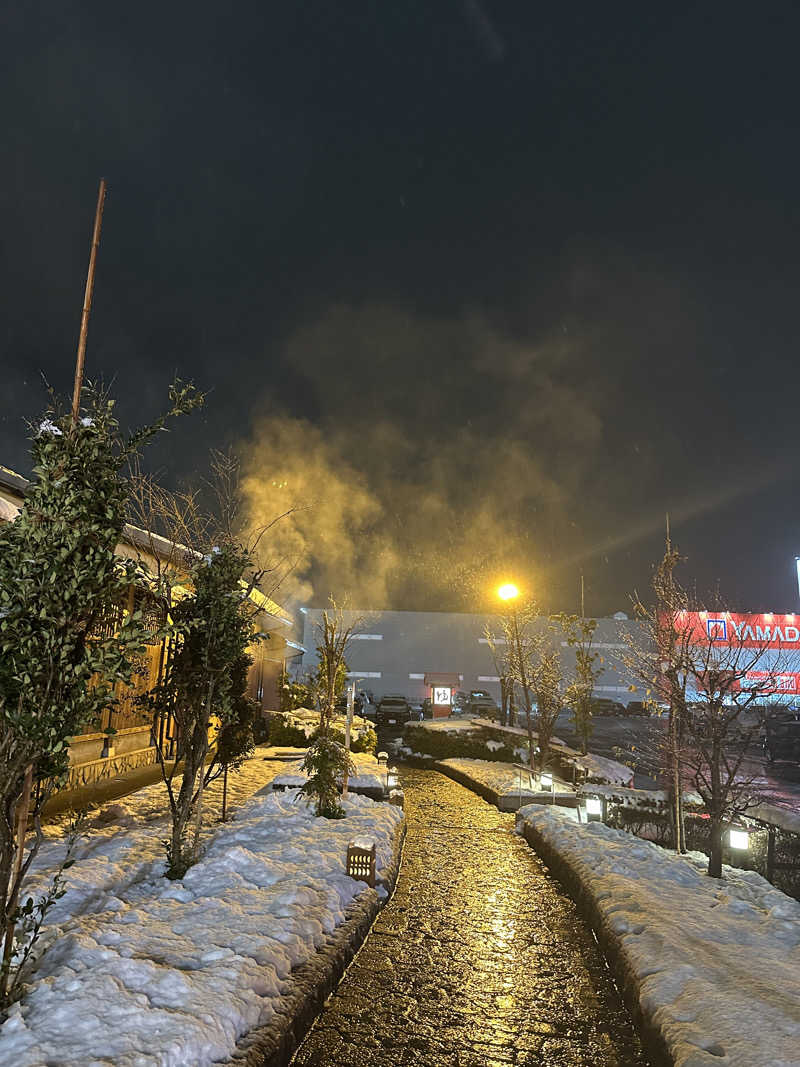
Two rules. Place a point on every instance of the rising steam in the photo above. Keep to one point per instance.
(448, 454)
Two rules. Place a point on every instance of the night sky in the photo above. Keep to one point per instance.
(512, 280)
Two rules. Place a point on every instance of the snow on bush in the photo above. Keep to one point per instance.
(143, 971)
(716, 961)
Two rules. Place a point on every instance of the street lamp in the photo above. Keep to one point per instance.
(508, 591)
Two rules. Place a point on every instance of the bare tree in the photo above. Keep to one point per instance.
(714, 675)
(519, 627)
(500, 653)
(730, 679)
(658, 658)
(546, 684)
(579, 634)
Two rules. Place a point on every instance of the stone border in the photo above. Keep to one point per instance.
(274, 1044)
(653, 1039)
(508, 803)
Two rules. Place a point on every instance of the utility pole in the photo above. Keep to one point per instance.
(87, 302)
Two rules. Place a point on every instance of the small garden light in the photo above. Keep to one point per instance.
(383, 758)
(739, 838)
(546, 781)
(361, 860)
(392, 779)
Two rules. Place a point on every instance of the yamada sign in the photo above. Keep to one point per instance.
(742, 631)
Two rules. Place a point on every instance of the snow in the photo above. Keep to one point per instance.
(599, 768)
(502, 778)
(369, 774)
(447, 726)
(516, 731)
(639, 798)
(716, 962)
(141, 971)
(784, 818)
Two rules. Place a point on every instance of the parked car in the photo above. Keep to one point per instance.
(460, 702)
(782, 739)
(603, 706)
(416, 710)
(393, 709)
(638, 707)
(361, 706)
(483, 705)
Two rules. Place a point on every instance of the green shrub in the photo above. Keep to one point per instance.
(325, 764)
(367, 742)
(284, 735)
(443, 745)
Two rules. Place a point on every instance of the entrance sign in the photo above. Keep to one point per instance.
(442, 695)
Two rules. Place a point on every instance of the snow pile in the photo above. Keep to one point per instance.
(597, 768)
(369, 774)
(173, 973)
(447, 726)
(640, 798)
(716, 962)
(126, 842)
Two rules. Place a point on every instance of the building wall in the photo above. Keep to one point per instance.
(396, 648)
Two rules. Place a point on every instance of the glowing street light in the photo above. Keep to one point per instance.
(594, 809)
(508, 591)
(739, 838)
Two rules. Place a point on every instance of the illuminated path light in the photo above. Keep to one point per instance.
(479, 958)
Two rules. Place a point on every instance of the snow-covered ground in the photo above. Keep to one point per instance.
(717, 962)
(140, 971)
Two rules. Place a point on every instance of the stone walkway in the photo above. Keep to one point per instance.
(479, 959)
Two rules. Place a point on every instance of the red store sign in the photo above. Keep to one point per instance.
(767, 631)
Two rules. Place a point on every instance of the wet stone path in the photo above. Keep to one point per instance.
(479, 959)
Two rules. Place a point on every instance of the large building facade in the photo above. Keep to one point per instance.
(394, 650)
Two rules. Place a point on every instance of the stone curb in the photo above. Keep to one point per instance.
(274, 1044)
(653, 1039)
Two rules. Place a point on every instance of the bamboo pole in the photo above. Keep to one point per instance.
(87, 302)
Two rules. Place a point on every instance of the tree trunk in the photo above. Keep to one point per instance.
(224, 791)
(21, 817)
(675, 786)
(715, 857)
(716, 810)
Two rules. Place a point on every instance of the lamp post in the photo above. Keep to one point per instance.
(509, 593)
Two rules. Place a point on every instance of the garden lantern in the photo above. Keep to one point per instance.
(392, 779)
(383, 758)
(361, 860)
(739, 838)
(546, 781)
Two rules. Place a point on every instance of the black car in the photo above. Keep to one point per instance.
(782, 741)
(637, 707)
(393, 709)
(459, 703)
(602, 706)
(482, 705)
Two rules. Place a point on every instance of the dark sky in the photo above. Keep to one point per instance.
(498, 260)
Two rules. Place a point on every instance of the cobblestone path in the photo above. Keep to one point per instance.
(479, 959)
